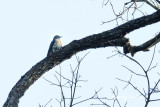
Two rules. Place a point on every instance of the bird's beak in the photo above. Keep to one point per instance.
(61, 36)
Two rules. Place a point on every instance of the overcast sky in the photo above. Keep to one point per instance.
(28, 26)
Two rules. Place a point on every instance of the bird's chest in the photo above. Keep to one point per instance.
(58, 43)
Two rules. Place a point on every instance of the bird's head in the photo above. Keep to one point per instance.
(57, 37)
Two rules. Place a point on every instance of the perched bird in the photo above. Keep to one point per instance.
(55, 45)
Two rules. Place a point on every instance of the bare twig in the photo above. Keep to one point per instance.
(133, 87)
(48, 102)
(115, 92)
(151, 59)
(96, 92)
(133, 71)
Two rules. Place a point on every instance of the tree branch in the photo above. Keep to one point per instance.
(113, 37)
(143, 47)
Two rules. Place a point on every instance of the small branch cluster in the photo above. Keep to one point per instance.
(147, 94)
(71, 84)
(132, 7)
(114, 100)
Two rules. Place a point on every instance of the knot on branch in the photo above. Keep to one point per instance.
(129, 49)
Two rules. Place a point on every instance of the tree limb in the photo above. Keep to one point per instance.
(113, 37)
(143, 47)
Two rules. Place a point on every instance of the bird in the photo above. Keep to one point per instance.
(54, 45)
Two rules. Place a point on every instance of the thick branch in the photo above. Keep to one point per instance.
(114, 37)
(143, 47)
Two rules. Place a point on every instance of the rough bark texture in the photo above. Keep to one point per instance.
(113, 37)
(143, 47)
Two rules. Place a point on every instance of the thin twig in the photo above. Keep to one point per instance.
(133, 71)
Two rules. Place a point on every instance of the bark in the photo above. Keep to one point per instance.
(113, 37)
(143, 47)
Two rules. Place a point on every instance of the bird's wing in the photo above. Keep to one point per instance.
(50, 48)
